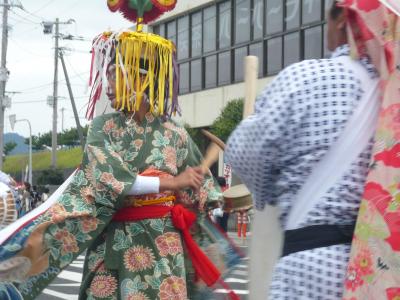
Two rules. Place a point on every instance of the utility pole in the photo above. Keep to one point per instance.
(71, 96)
(48, 29)
(55, 95)
(4, 72)
(3, 76)
(62, 118)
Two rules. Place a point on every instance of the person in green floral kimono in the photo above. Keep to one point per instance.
(130, 203)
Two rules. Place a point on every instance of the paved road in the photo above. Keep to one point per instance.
(66, 285)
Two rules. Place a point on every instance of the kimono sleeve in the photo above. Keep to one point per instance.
(209, 191)
(106, 170)
(49, 243)
(255, 147)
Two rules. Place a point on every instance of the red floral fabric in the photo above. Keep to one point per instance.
(373, 30)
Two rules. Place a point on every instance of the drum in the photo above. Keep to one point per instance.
(237, 197)
(8, 209)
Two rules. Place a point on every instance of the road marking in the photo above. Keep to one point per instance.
(236, 280)
(69, 275)
(240, 272)
(60, 295)
(77, 264)
(242, 266)
(65, 284)
(238, 292)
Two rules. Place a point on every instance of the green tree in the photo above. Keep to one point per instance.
(197, 137)
(39, 141)
(68, 137)
(230, 117)
(8, 147)
(50, 176)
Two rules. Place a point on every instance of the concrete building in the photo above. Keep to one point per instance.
(212, 38)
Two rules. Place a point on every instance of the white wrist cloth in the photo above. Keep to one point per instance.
(145, 185)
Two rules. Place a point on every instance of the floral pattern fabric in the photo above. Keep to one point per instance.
(124, 260)
(373, 271)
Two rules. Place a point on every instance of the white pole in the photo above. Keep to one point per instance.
(30, 152)
(266, 235)
(30, 146)
(4, 43)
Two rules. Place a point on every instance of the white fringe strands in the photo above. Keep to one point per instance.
(126, 49)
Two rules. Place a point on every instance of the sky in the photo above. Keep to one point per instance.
(30, 59)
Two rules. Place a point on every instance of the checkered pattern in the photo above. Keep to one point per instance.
(297, 119)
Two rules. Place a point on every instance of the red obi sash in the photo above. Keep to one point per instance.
(182, 219)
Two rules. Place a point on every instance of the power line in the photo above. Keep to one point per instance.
(47, 84)
(41, 101)
(75, 72)
(25, 48)
(39, 9)
(24, 18)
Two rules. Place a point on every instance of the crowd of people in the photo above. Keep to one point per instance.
(29, 197)
(26, 196)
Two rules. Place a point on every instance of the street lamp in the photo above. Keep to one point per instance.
(13, 120)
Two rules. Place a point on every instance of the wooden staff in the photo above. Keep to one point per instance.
(266, 237)
(212, 153)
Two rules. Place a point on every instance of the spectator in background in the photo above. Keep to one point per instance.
(45, 195)
(35, 197)
(223, 215)
(242, 221)
(26, 202)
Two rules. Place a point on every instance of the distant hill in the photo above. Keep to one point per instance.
(20, 140)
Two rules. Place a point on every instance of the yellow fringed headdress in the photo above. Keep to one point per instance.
(145, 63)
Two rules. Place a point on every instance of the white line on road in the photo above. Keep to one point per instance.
(236, 280)
(65, 284)
(238, 292)
(77, 264)
(240, 272)
(242, 266)
(60, 295)
(69, 275)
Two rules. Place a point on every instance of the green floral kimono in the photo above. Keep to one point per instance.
(124, 260)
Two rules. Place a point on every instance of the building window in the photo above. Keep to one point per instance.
(327, 53)
(225, 24)
(292, 18)
(291, 50)
(224, 68)
(212, 41)
(183, 37)
(311, 11)
(274, 57)
(274, 16)
(184, 78)
(210, 66)
(196, 72)
(171, 31)
(197, 34)
(313, 43)
(258, 50)
(210, 28)
(242, 21)
(258, 19)
(328, 5)
(240, 54)
(161, 31)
